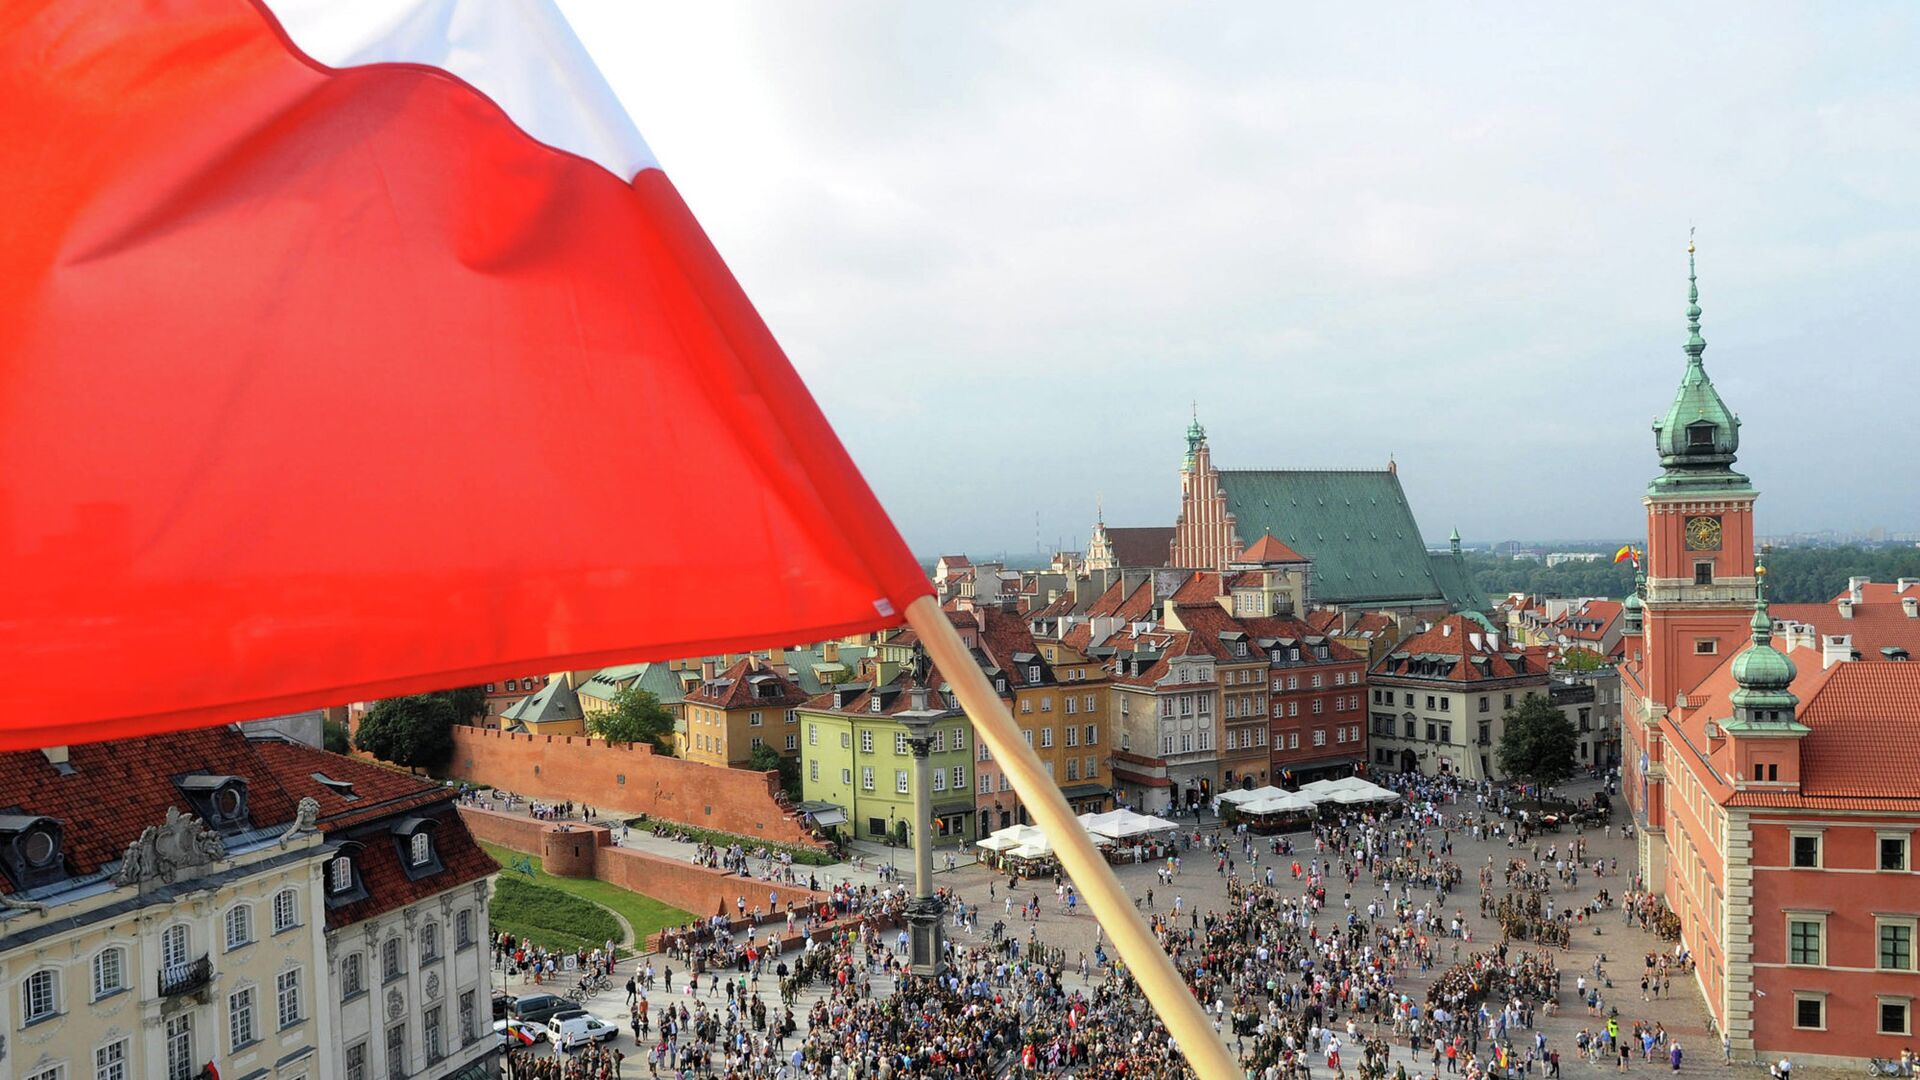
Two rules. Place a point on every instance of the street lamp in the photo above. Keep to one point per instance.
(924, 911)
(890, 843)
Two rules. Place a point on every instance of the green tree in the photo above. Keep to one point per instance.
(334, 737)
(1538, 742)
(766, 759)
(415, 731)
(636, 716)
(469, 703)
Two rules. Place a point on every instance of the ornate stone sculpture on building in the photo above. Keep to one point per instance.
(306, 817)
(183, 843)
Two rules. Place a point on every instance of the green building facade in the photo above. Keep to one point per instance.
(856, 770)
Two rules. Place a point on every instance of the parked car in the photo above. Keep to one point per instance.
(537, 1009)
(574, 1032)
(515, 1034)
(502, 1001)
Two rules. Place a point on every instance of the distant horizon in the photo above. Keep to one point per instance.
(1008, 248)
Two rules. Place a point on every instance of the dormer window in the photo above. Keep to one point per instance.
(340, 874)
(30, 850)
(1033, 673)
(1700, 436)
(221, 801)
(419, 855)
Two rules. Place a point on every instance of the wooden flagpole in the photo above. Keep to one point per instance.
(1165, 989)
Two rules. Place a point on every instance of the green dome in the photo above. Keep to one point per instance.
(1632, 602)
(1699, 436)
(1763, 672)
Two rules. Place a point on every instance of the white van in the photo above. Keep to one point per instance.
(574, 1032)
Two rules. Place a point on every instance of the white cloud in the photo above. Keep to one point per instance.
(1035, 233)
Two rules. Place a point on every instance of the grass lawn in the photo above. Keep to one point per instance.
(645, 913)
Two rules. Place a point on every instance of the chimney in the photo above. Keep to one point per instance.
(1905, 583)
(57, 757)
(830, 652)
(1910, 605)
(1493, 642)
(1854, 590)
(1474, 637)
(1846, 608)
(1348, 617)
(777, 656)
(706, 671)
(1446, 629)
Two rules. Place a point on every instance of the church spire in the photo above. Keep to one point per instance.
(1699, 436)
(1196, 436)
(1695, 343)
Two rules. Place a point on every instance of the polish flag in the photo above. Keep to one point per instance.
(358, 347)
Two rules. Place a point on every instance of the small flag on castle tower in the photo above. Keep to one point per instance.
(1627, 552)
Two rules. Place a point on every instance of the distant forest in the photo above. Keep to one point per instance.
(1794, 575)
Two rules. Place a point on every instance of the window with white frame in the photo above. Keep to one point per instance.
(287, 986)
(959, 773)
(340, 874)
(173, 946)
(900, 781)
(39, 996)
(391, 966)
(1319, 737)
(110, 1061)
(239, 925)
(109, 971)
(421, 848)
(866, 742)
(353, 978)
(939, 780)
(286, 909)
(813, 769)
(429, 942)
(846, 776)
(180, 1060)
(1895, 936)
(866, 778)
(430, 1035)
(793, 742)
(241, 1028)
(1806, 934)
(899, 743)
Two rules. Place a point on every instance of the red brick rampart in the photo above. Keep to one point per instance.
(631, 779)
(586, 851)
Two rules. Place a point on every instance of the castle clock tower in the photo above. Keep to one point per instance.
(1700, 587)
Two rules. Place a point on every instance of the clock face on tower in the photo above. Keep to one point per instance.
(1703, 534)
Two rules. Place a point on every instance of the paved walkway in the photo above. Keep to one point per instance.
(1617, 950)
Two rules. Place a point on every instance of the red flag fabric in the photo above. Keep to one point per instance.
(327, 383)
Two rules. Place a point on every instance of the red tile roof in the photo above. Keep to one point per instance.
(1865, 717)
(119, 788)
(1201, 587)
(462, 861)
(1467, 645)
(1879, 620)
(740, 687)
(1267, 549)
(379, 794)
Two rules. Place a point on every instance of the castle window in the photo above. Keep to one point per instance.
(1703, 573)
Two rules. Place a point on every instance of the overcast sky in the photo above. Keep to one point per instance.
(1006, 245)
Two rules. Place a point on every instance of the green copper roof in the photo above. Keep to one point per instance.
(1765, 676)
(1196, 437)
(1356, 527)
(1699, 436)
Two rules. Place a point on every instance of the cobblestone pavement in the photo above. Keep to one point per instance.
(1620, 951)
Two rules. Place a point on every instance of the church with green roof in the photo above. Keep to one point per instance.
(1354, 524)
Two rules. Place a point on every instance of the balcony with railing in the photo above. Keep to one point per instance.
(187, 978)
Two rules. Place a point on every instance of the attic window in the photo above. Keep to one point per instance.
(419, 855)
(342, 788)
(1700, 436)
(221, 801)
(875, 704)
(30, 850)
(1033, 673)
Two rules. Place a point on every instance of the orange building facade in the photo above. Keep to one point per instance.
(1776, 790)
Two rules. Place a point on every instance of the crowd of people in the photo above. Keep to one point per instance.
(1309, 964)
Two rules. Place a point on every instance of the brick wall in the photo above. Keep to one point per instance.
(698, 890)
(630, 779)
